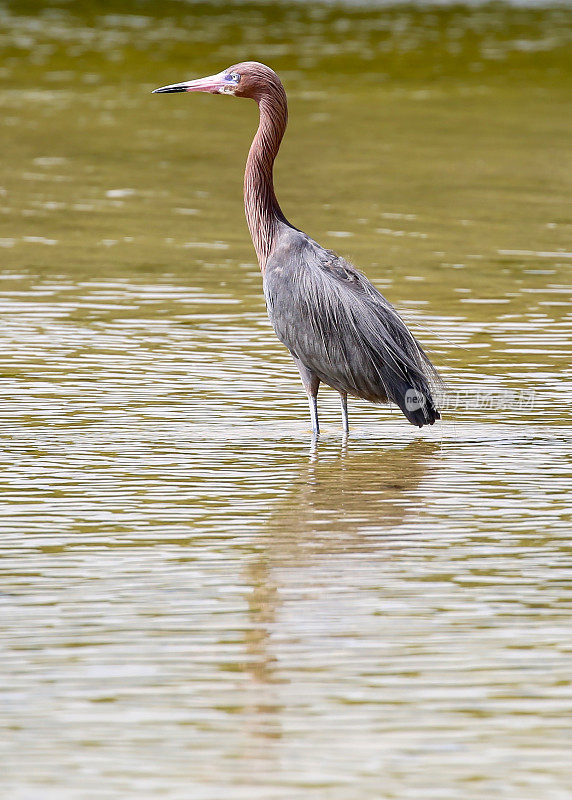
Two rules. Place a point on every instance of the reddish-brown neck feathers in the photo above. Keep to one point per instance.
(263, 213)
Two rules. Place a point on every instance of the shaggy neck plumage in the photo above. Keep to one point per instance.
(263, 213)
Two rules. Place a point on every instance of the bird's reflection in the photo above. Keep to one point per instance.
(342, 501)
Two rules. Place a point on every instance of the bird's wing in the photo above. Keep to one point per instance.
(341, 327)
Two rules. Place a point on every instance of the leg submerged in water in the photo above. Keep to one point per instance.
(313, 403)
(311, 384)
(345, 419)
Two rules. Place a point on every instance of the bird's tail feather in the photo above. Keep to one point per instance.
(418, 406)
(410, 380)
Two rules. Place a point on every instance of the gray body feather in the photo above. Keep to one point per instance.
(342, 330)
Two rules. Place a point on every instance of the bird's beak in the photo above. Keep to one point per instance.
(213, 83)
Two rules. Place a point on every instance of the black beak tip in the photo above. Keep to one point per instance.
(176, 87)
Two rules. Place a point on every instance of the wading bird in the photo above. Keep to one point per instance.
(338, 327)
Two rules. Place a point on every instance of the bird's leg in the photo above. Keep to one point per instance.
(345, 420)
(311, 383)
(313, 403)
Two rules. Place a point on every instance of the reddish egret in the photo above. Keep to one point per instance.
(339, 329)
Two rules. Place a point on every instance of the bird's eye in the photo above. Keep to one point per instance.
(234, 76)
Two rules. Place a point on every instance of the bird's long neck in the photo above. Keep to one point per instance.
(263, 213)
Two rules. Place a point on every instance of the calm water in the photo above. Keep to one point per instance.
(195, 602)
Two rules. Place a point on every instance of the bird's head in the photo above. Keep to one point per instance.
(247, 79)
